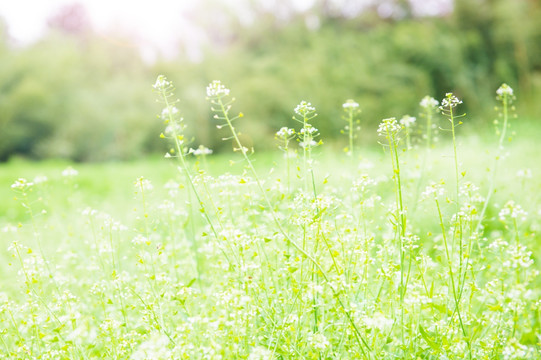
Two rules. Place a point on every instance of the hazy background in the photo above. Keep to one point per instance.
(75, 78)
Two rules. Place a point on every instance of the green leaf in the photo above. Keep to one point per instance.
(428, 339)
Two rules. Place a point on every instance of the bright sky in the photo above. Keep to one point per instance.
(155, 24)
(27, 18)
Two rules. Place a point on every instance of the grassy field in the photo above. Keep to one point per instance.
(390, 252)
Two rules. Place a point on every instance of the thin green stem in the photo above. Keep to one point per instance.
(505, 113)
(451, 276)
(350, 122)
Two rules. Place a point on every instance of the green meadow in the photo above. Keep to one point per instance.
(424, 246)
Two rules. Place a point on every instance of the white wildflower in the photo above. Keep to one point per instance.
(377, 321)
(110, 223)
(70, 172)
(407, 121)
(88, 211)
(363, 182)
(242, 149)
(308, 144)
(450, 101)
(174, 130)
(169, 112)
(140, 240)
(21, 184)
(510, 209)
(319, 341)
(161, 83)
(285, 132)
(260, 353)
(514, 350)
(109, 325)
(304, 108)
(143, 184)
(40, 179)
(9, 229)
(155, 347)
(498, 243)
(518, 257)
(291, 319)
(216, 90)
(433, 191)
(428, 102)
(315, 288)
(388, 127)
(504, 90)
(172, 188)
(201, 150)
(524, 173)
(350, 104)
(309, 129)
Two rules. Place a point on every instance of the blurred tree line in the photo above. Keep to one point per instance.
(79, 95)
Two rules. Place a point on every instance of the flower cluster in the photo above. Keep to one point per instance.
(169, 112)
(174, 130)
(304, 108)
(40, 179)
(450, 101)
(407, 121)
(428, 102)
(143, 184)
(21, 184)
(522, 173)
(350, 104)
(201, 150)
(285, 132)
(504, 90)
(433, 191)
(308, 144)
(70, 172)
(307, 135)
(216, 90)
(510, 209)
(161, 83)
(309, 129)
(389, 127)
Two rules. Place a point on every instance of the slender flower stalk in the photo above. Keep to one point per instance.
(505, 96)
(351, 108)
(201, 153)
(456, 297)
(429, 106)
(390, 129)
(448, 104)
(173, 130)
(285, 135)
(407, 123)
(306, 137)
(307, 142)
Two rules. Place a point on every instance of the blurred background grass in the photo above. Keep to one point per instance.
(79, 96)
